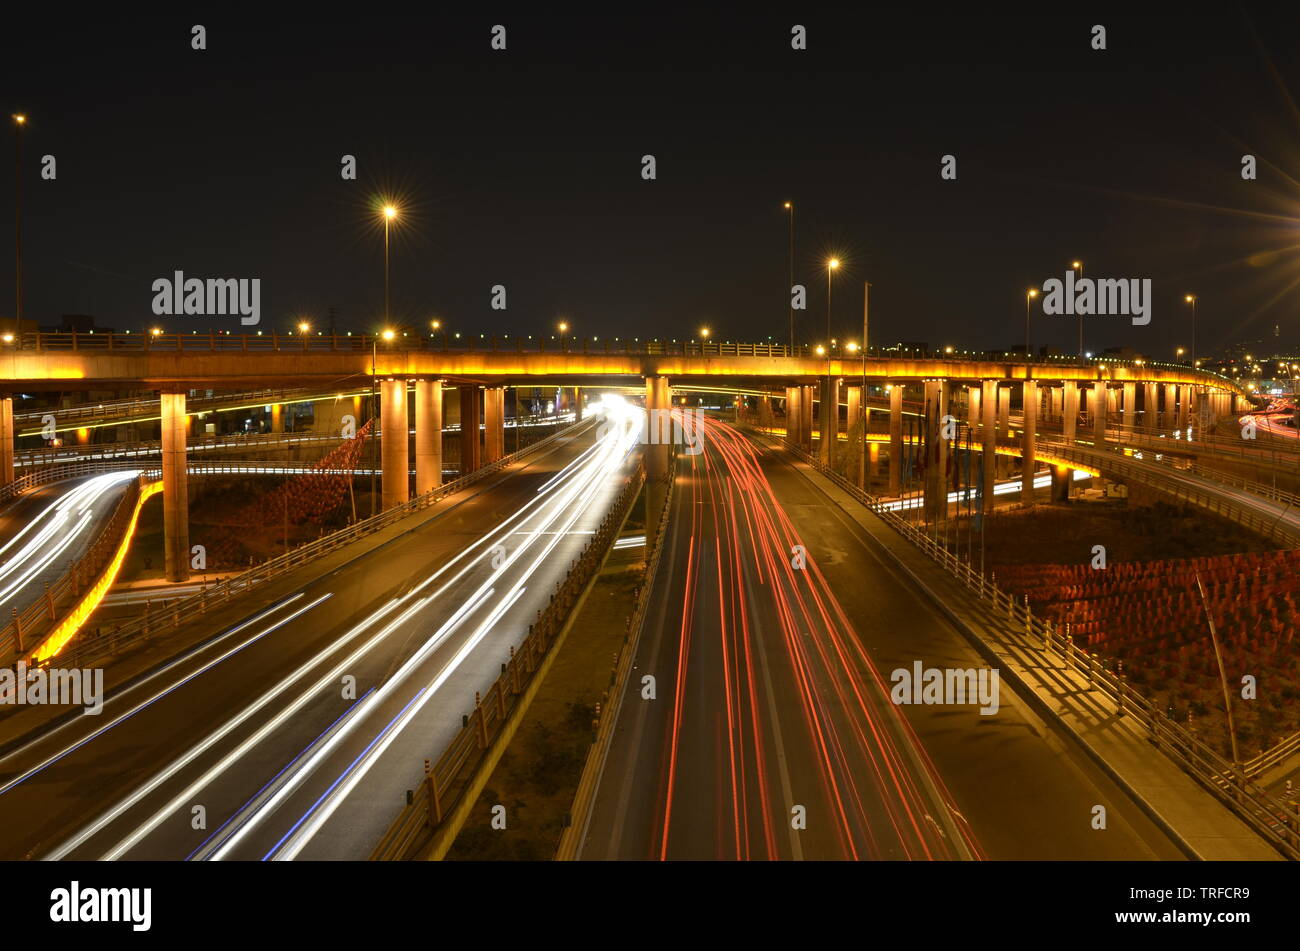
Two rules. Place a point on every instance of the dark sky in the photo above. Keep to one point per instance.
(523, 168)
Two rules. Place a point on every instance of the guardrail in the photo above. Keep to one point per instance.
(1150, 474)
(585, 796)
(91, 653)
(130, 408)
(1229, 783)
(38, 477)
(447, 778)
(1272, 757)
(24, 627)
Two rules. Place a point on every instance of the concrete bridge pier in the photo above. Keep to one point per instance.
(896, 439)
(1130, 405)
(829, 425)
(494, 423)
(471, 403)
(989, 440)
(1184, 404)
(806, 417)
(1004, 408)
(176, 492)
(1029, 441)
(395, 431)
(659, 427)
(1070, 409)
(1150, 412)
(857, 449)
(1100, 406)
(936, 451)
(277, 417)
(428, 435)
(6, 439)
(792, 415)
(973, 394)
(1061, 477)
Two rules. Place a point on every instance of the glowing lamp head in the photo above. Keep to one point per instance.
(390, 212)
(303, 326)
(1189, 298)
(564, 326)
(436, 324)
(704, 332)
(389, 334)
(1033, 292)
(156, 331)
(833, 263)
(8, 338)
(19, 118)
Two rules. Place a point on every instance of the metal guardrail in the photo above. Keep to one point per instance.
(1150, 474)
(24, 628)
(1229, 783)
(447, 778)
(584, 798)
(130, 408)
(1275, 756)
(126, 636)
(235, 442)
(38, 477)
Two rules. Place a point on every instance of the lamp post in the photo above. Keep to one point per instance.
(1029, 296)
(789, 206)
(704, 338)
(389, 215)
(1078, 266)
(436, 325)
(564, 326)
(20, 120)
(388, 335)
(1191, 299)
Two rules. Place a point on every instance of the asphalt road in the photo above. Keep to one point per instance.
(297, 733)
(772, 691)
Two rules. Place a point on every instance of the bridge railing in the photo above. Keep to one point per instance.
(126, 409)
(447, 778)
(91, 652)
(273, 340)
(1204, 497)
(1228, 782)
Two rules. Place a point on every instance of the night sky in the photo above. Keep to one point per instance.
(523, 168)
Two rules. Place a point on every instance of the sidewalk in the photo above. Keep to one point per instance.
(1203, 826)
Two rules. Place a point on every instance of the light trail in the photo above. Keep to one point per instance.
(539, 517)
(745, 598)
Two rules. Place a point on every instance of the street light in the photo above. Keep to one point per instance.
(388, 334)
(20, 120)
(1029, 296)
(303, 327)
(1078, 266)
(1191, 299)
(436, 325)
(564, 326)
(390, 213)
(789, 206)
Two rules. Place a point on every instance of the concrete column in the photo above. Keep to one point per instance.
(1061, 477)
(973, 405)
(806, 417)
(936, 450)
(659, 426)
(829, 425)
(176, 492)
(1100, 406)
(6, 439)
(1029, 442)
(470, 403)
(428, 435)
(1130, 404)
(277, 417)
(395, 432)
(896, 439)
(1004, 408)
(494, 423)
(857, 450)
(792, 414)
(765, 412)
(1069, 409)
(989, 440)
(873, 461)
(1150, 413)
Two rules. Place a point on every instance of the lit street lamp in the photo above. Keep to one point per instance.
(1078, 266)
(1029, 296)
(564, 327)
(1191, 299)
(789, 291)
(20, 120)
(388, 334)
(390, 212)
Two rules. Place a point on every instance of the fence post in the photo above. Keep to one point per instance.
(18, 631)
